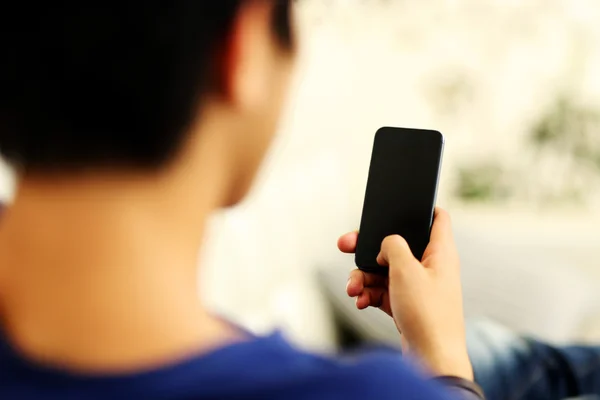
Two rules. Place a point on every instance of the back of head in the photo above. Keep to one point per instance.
(95, 84)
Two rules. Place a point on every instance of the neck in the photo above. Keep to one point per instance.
(101, 274)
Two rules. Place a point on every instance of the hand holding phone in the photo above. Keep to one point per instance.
(401, 192)
(424, 298)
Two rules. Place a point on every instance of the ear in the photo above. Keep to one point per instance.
(249, 56)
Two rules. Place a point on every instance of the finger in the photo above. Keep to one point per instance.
(356, 283)
(370, 297)
(347, 243)
(441, 231)
(375, 297)
(394, 248)
(396, 253)
(359, 280)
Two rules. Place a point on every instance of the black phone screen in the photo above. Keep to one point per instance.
(401, 192)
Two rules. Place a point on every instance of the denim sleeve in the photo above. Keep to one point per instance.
(510, 366)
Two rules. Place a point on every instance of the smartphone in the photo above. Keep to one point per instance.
(401, 192)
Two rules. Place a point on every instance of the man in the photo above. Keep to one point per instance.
(128, 124)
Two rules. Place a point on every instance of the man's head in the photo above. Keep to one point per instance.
(131, 86)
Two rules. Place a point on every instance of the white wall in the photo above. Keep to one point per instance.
(367, 65)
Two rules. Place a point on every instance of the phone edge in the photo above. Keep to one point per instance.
(437, 182)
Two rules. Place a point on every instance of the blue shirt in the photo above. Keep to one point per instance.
(262, 368)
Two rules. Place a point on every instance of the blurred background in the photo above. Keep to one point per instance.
(514, 87)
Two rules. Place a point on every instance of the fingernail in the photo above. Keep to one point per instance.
(348, 283)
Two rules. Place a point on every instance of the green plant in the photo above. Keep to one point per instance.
(567, 135)
(483, 182)
(568, 129)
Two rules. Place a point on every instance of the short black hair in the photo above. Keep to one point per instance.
(109, 83)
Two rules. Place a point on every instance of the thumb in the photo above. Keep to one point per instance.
(395, 253)
(441, 230)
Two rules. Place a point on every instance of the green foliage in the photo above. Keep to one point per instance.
(483, 182)
(569, 133)
(568, 136)
(569, 130)
(548, 130)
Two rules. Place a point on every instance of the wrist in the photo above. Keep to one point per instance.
(463, 386)
(452, 367)
(445, 363)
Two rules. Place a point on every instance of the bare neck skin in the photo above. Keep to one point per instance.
(98, 273)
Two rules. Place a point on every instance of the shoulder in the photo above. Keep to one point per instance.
(294, 374)
(386, 376)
